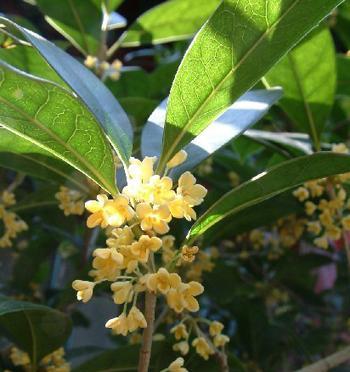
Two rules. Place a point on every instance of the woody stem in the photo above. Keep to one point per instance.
(146, 347)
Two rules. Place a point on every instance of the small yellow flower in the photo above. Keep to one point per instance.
(177, 366)
(168, 241)
(221, 340)
(321, 242)
(177, 159)
(234, 178)
(108, 212)
(202, 347)
(71, 201)
(193, 193)
(182, 347)
(155, 218)
(85, 289)
(333, 232)
(183, 297)
(310, 208)
(8, 198)
(90, 62)
(180, 331)
(314, 227)
(120, 237)
(122, 292)
(188, 254)
(107, 264)
(340, 148)
(301, 193)
(163, 281)
(159, 190)
(19, 357)
(326, 218)
(142, 248)
(180, 208)
(346, 222)
(136, 319)
(119, 325)
(215, 328)
(316, 190)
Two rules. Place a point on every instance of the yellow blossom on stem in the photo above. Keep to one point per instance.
(108, 212)
(155, 218)
(215, 328)
(179, 158)
(188, 254)
(142, 248)
(314, 227)
(221, 340)
(316, 190)
(19, 357)
(163, 281)
(202, 347)
(183, 297)
(310, 208)
(177, 366)
(159, 190)
(193, 193)
(301, 193)
(8, 198)
(346, 222)
(180, 208)
(182, 347)
(120, 237)
(136, 319)
(333, 232)
(84, 289)
(119, 325)
(321, 242)
(107, 264)
(122, 292)
(71, 201)
(179, 331)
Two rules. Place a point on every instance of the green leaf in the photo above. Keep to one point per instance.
(36, 329)
(173, 20)
(343, 64)
(308, 77)
(269, 184)
(23, 156)
(234, 49)
(98, 99)
(79, 21)
(27, 59)
(342, 24)
(53, 119)
(244, 113)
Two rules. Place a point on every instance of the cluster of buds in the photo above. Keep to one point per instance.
(325, 203)
(104, 68)
(13, 225)
(70, 201)
(136, 222)
(54, 362)
(205, 345)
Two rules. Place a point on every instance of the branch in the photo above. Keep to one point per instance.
(146, 348)
(329, 362)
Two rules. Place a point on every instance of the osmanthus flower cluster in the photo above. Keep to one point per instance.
(12, 223)
(104, 68)
(71, 202)
(136, 222)
(54, 362)
(327, 206)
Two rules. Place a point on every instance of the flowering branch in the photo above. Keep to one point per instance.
(329, 362)
(146, 348)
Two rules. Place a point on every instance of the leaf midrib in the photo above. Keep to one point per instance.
(55, 137)
(231, 72)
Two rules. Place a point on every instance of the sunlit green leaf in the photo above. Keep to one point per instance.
(308, 77)
(52, 118)
(233, 50)
(271, 183)
(169, 21)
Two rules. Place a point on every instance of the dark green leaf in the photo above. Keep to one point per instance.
(308, 78)
(234, 49)
(23, 156)
(53, 119)
(343, 64)
(36, 329)
(269, 184)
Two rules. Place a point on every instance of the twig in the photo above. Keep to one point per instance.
(329, 362)
(222, 359)
(146, 347)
